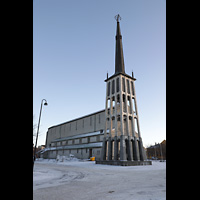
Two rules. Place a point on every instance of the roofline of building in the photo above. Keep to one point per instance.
(77, 119)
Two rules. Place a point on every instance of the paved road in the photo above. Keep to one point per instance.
(88, 181)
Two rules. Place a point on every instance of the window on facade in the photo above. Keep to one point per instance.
(135, 123)
(133, 103)
(113, 105)
(108, 106)
(99, 119)
(128, 87)
(129, 104)
(113, 86)
(118, 99)
(124, 103)
(123, 84)
(132, 88)
(90, 121)
(117, 84)
(108, 89)
(128, 100)
(113, 122)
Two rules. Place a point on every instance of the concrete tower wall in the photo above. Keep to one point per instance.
(126, 119)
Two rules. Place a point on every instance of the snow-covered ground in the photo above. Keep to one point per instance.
(75, 179)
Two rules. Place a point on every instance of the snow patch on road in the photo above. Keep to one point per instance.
(84, 179)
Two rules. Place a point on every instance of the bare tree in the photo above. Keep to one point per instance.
(34, 127)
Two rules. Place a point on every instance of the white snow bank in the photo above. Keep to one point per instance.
(72, 161)
(81, 179)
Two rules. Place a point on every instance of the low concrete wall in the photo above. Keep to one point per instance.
(124, 163)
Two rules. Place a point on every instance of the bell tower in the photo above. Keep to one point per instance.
(122, 142)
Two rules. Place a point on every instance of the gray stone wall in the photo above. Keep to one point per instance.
(90, 123)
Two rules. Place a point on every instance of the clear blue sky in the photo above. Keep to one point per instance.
(74, 47)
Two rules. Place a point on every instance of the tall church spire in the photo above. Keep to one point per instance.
(119, 57)
(122, 142)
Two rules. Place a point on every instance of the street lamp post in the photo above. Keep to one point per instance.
(38, 128)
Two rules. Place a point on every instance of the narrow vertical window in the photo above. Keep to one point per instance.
(108, 89)
(136, 127)
(113, 104)
(129, 104)
(113, 122)
(108, 106)
(123, 84)
(132, 88)
(90, 121)
(118, 99)
(124, 103)
(113, 86)
(133, 103)
(117, 84)
(128, 87)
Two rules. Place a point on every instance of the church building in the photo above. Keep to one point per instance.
(111, 134)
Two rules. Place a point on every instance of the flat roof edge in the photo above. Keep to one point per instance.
(77, 118)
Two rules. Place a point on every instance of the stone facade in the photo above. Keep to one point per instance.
(81, 137)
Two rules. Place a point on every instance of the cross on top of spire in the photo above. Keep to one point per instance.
(117, 17)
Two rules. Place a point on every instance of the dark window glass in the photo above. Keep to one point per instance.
(123, 84)
(117, 84)
(132, 88)
(108, 91)
(128, 86)
(113, 86)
